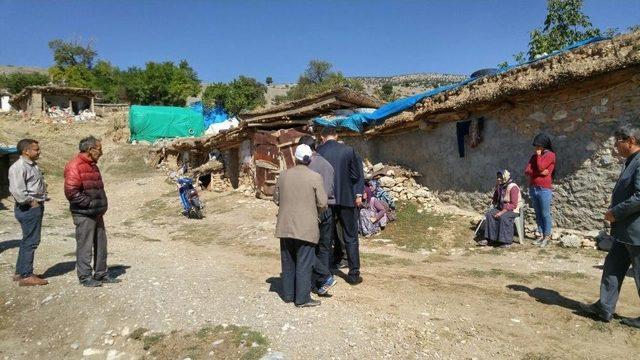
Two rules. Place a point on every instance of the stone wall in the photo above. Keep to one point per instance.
(580, 117)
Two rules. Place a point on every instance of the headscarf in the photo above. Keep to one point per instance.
(543, 140)
(369, 191)
(502, 188)
(506, 177)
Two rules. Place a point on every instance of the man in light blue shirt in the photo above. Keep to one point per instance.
(27, 187)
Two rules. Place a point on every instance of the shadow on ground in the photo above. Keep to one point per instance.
(62, 268)
(552, 297)
(9, 244)
(275, 285)
(118, 270)
(59, 269)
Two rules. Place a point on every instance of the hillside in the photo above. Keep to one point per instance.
(408, 80)
(12, 69)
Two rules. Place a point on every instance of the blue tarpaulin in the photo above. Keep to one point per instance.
(358, 121)
(211, 115)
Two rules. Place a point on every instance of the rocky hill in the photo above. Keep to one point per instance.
(11, 69)
(409, 84)
(408, 80)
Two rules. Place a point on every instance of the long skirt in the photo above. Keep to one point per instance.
(500, 229)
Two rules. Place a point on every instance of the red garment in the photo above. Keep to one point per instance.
(535, 167)
(83, 187)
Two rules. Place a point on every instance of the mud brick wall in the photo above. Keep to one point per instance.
(580, 117)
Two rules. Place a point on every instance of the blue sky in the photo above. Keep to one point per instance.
(224, 39)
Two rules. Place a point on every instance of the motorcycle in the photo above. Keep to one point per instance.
(190, 200)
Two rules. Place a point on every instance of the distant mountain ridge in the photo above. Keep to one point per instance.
(412, 80)
(12, 69)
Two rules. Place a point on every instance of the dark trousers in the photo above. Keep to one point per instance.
(616, 265)
(322, 268)
(500, 229)
(30, 220)
(348, 219)
(298, 258)
(91, 242)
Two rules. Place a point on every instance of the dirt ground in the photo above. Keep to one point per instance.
(208, 288)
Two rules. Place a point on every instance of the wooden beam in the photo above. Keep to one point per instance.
(447, 117)
(291, 112)
(277, 123)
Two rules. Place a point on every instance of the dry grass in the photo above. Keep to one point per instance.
(526, 277)
(373, 259)
(219, 342)
(413, 230)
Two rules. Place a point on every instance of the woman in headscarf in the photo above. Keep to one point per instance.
(373, 214)
(507, 201)
(540, 170)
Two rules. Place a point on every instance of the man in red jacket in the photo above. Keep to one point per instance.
(84, 189)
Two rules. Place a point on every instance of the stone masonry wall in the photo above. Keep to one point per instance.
(581, 120)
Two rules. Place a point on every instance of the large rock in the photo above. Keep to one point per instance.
(571, 241)
(421, 192)
(387, 181)
(377, 167)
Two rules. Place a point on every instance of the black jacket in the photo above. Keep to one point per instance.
(348, 173)
(625, 204)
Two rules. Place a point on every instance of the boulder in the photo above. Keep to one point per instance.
(387, 181)
(571, 241)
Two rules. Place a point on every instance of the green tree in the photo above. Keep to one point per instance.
(241, 94)
(318, 71)
(564, 25)
(72, 53)
(17, 81)
(316, 78)
(109, 79)
(74, 76)
(269, 80)
(161, 84)
(386, 93)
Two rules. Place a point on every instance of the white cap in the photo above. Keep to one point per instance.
(303, 151)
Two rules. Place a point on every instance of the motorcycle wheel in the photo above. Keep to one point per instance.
(196, 213)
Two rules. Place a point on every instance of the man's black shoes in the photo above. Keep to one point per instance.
(595, 310)
(90, 282)
(310, 303)
(631, 322)
(108, 280)
(353, 280)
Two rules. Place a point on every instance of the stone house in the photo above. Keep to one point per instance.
(4, 100)
(39, 99)
(578, 96)
(262, 145)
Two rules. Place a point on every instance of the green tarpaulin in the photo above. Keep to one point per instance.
(150, 123)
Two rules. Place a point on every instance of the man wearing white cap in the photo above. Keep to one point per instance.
(301, 198)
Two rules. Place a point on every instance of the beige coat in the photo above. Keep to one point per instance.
(300, 194)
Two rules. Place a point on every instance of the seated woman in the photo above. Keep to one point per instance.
(507, 201)
(373, 214)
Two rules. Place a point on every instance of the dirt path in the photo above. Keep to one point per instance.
(184, 275)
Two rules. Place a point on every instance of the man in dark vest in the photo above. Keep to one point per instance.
(348, 189)
(624, 215)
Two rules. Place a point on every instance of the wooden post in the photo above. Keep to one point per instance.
(93, 110)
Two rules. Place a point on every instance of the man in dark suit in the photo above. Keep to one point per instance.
(624, 215)
(348, 188)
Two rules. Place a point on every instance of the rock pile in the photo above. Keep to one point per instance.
(400, 183)
(570, 238)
